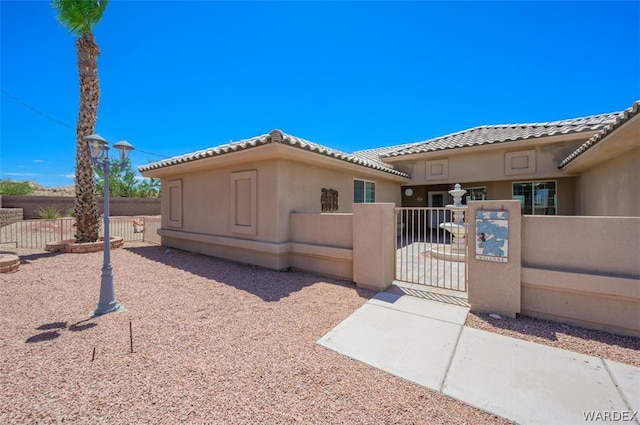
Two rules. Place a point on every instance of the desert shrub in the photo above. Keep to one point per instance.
(49, 212)
(9, 187)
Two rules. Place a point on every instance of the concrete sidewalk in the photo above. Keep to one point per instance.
(426, 342)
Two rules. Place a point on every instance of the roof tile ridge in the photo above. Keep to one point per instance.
(239, 142)
(454, 134)
(620, 118)
(580, 120)
(335, 153)
(288, 138)
(564, 121)
(382, 150)
(422, 142)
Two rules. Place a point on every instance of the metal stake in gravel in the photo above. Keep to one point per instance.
(94, 354)
(131, 335)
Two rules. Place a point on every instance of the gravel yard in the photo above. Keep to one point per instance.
(623, 349)
(214, 342)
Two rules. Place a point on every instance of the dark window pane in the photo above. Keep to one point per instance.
(358, 191)
(537, 198)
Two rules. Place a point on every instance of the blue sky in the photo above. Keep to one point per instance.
(180, 76)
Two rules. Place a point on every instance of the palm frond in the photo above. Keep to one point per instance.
(80, 16)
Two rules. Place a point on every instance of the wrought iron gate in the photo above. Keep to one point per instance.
(431, 247)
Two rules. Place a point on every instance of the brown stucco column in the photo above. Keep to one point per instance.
(494, 284)
(373, 245)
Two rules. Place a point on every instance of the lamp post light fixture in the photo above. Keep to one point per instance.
(99, 153)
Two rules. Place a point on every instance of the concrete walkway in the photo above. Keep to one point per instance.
(426, 342)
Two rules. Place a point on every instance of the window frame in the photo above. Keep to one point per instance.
(365, 185)
(467, 196)
(533, 203)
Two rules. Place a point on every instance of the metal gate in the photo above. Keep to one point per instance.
(431, 247)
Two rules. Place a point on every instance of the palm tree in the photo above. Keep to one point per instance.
(80, 17)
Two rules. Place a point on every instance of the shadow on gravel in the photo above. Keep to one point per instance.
(52, 325)
(59, 326)
(27, 259)
(269, 285)
(77, 327)
(530, 326)
(44, 336)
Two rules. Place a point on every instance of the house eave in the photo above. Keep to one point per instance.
(619, 142)
(268, 152)
(495, 146)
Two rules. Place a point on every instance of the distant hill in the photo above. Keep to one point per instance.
(39, 190)
(69, 190)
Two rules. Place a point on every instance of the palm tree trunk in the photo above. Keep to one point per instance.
(86, 208)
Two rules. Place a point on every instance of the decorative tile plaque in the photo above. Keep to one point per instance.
(492, 236)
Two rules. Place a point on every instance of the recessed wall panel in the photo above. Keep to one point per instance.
(244, 202)
(437, 169)
(175, 203)
(522, 162)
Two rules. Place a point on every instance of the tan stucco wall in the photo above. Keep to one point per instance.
(207, 222)
(579, 270)
(322, 243)
(606, 303)
(611, 188)
(488, 163)
(583, 270)
(488, 166)
(599, 245)
(301, 185)
(206, 199)
(290, 230)
(283, 186)
(374, 255)
(323, 229)
(495, 287)
(503, 190)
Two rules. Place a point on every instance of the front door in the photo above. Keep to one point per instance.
(437, 199)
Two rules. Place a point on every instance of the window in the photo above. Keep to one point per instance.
(536, 198)
(474, 194)
(364, 191)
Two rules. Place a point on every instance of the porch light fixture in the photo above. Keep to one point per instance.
(99, 152)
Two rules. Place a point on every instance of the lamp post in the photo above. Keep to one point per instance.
(99, 153)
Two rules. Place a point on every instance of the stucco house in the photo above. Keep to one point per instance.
(582, 166)
(247, 200)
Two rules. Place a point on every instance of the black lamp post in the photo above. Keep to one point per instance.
(99, 153)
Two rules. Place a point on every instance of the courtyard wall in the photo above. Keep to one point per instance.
(582, 270)
(65, 204)
(571, 269)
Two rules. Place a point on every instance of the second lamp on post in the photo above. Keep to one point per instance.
(99, 153)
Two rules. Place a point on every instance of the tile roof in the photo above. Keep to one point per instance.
(623, 117)
(488, 134)
(476, 136)
(375, 154)
(276, 136)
